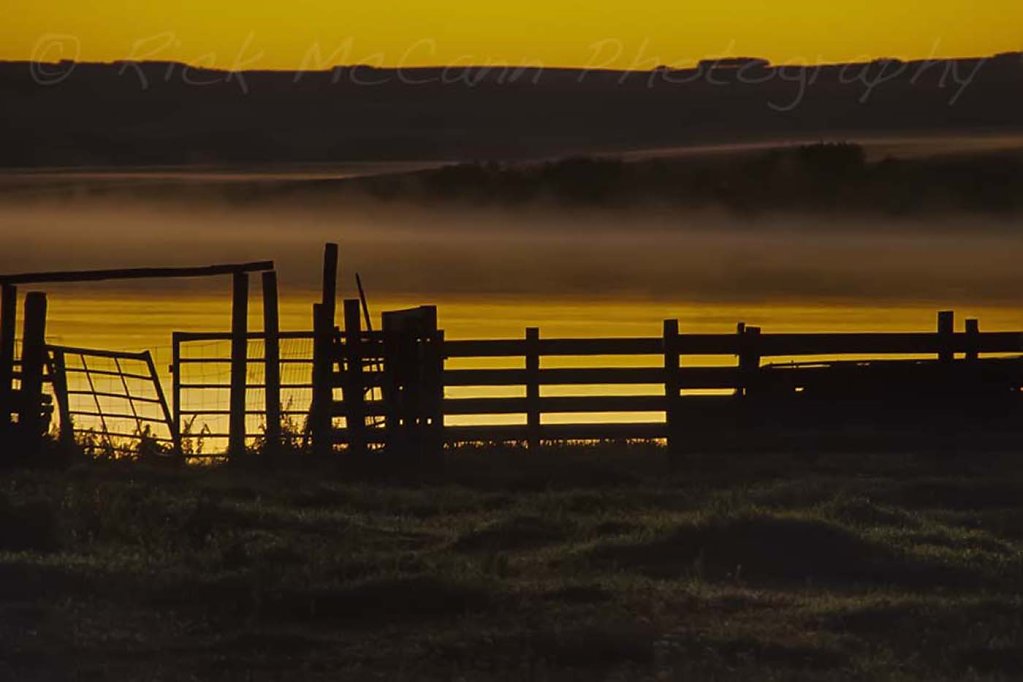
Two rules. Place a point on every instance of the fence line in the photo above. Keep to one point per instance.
(688, 385)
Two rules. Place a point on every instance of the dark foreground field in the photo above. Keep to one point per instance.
(585, 565)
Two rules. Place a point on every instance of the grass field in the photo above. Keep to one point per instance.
(574, 564)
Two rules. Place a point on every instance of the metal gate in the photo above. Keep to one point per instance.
(111, 402)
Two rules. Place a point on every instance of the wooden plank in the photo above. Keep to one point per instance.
(555, 376)
(614, 403)
(239, 359)
(856, 343)
(134, 273)
(516, 347)
(532, 377)
(272, 359)
(33, 359)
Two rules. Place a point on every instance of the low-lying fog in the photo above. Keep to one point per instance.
(543, 252)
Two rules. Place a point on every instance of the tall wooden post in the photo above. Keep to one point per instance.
(533, 386)
(329, 299)
(972, 339)
(946, 331)
(324, 313)
(239, 362)
(320, 421)
(672, 386)
(33, 358)
(272, 359)
(8, 322)
(354, 395)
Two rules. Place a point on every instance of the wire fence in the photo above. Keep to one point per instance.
(202, 388)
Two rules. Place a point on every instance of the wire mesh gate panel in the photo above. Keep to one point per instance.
(201, 388)
(111, 402)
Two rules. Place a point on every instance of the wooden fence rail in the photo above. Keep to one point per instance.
(678, 383)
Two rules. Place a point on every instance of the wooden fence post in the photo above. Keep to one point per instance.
(433, 398)
(749, 357)
(33, 358)
(533, 386)
(324, 313)
(329, 299)
(239, 362)
(672, 389)
(972, 339)
(320, 421)
(353, 388)
(272, 360)
(946, 331)
(8, 322)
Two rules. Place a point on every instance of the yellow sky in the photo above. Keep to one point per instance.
(638, 34)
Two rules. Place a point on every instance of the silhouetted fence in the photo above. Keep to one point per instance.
(407, 389)
(393, 387)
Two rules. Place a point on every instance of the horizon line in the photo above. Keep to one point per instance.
(734, 62)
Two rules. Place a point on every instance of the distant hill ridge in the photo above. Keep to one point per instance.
(140, 113)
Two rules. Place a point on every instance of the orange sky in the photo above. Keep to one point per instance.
(639, 34)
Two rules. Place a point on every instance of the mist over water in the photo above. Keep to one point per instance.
(435, 252)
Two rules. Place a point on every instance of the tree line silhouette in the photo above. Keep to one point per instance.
(823, 177)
